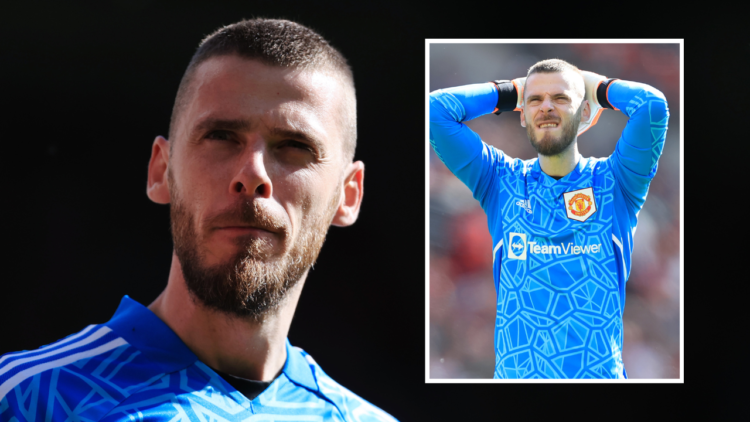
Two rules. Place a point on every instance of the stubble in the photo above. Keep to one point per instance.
(253, 282)
(550, 146)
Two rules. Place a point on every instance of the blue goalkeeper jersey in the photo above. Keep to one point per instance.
(136, 368)
(561, 248)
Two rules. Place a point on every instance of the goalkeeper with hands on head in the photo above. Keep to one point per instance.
(562, 225)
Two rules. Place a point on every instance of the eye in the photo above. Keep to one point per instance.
(296, 145)
(219, 135)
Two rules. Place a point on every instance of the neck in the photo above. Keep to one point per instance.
(231, 344)
(562, 164)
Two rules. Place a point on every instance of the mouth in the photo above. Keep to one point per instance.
(245, 230)
(547, 125)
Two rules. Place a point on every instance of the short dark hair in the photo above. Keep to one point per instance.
(553, 66)
(274, 42)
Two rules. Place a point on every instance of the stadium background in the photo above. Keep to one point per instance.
(462, 293)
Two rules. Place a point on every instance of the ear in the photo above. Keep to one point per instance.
(523, 119)
(157, 186)
(351, 197)
(586, 114)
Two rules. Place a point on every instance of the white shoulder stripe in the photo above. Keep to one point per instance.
(93, 337)
(13, 381)
(59, 343)
(494, 251)
(622, 254)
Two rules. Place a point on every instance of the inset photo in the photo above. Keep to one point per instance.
(554, 209)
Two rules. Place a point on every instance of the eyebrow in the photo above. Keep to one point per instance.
(245, 125)
(297, 135)
(236, 125)
(537, 96)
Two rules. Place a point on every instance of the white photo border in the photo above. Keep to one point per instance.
(429, 380)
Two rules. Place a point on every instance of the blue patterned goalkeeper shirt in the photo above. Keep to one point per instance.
(561, 248)
(135, 368)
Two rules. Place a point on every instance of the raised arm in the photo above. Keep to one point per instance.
(636, 156)
(459, 147)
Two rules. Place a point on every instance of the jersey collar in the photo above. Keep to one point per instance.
(149, 334)
(558, 187)
(298, 369)
(536, 171)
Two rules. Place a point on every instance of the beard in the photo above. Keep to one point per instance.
(550, 146)
(252, 282)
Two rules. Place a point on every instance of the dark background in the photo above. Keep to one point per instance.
(85, 87)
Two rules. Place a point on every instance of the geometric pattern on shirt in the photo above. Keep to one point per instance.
(95, 375)
(558, 316)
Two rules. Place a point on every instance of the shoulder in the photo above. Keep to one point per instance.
(66, 371)
(93, 341)
(507, 165)
(85, 375)
(519, 168)
(597, 164)
(351, 406)
(524, 167)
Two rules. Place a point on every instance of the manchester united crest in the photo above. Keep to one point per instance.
(580, 204)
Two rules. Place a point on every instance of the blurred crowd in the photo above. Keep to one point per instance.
(462, 293)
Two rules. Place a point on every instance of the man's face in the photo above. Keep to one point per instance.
(552, 110)
(254, 177)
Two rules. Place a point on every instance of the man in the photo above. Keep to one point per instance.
(258, 164)
(562, 225)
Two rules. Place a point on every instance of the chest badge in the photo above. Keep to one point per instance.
(580, 204)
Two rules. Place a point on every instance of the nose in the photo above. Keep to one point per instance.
(252, 179)
(546, 104)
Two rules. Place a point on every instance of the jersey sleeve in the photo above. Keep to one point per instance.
(636, 156)
(459, 147)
